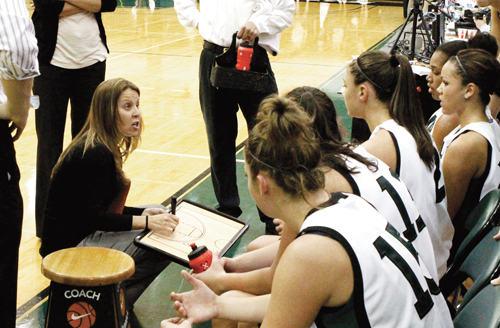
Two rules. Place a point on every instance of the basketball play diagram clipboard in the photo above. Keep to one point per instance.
(198, 224)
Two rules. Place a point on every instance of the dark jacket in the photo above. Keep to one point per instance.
(80, 194)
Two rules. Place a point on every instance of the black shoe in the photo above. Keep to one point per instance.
(231, 211)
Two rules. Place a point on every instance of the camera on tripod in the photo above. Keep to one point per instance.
(419, 42)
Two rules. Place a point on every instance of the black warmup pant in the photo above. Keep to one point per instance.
(55, 87)
(11, 221)
(219, 107)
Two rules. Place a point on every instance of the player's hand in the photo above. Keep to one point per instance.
(153, 211)
(279, 225)
(176, 322)
(248, 32)
(214, 276)
(164, 223)
(497, 236)
(198, 305)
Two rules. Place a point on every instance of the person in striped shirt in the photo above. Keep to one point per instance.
(18, 67)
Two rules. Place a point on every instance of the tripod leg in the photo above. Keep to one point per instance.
(413, 36)
(410, 14)
(428, 34)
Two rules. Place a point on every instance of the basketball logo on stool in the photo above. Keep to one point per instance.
(81, 315)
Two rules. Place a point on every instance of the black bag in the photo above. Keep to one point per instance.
(225, 75)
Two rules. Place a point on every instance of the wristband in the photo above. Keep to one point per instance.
(147, 219)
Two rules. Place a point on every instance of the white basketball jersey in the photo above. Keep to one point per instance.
(491, 177)
(389, 195)
(391, 289)
(431, 123)
(426, 187)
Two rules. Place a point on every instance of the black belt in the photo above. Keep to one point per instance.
(213, 47)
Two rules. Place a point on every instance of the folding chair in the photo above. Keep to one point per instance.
(483, 310)
(480, 265)
(480, 221)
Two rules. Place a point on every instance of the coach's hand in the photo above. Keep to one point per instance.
(248, 32)
(164, 223)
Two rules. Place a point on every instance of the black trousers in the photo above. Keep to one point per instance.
(219, 107)
(56, 87)
(11, 221)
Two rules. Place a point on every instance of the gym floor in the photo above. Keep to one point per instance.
(150, 48)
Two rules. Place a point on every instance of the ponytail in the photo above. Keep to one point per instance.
(395, 86)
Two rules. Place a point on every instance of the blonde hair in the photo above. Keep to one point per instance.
(101, 126)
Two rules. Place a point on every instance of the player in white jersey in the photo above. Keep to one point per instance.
(366, 270)
(427, 189)
(440, 126)
(389, 195)
(348, 171)
(471, 153)
(381, 89)
(381, 262)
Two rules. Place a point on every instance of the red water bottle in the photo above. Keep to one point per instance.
(245, 52)
(200, 258)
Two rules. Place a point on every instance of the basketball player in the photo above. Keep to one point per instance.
(471, 152)
(439, 125)
(345, 256)
(349, 171)
(381, 89)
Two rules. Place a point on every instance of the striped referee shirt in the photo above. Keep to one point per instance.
(18, 44)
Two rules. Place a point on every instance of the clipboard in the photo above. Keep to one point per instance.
(198, 224)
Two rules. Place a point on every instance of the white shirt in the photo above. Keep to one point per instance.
(18, 45)
(79, 43)
(218, 20)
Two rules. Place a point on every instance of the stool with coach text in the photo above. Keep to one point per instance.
(85, 288)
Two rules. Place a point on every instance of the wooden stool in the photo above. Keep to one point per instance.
(85, 287)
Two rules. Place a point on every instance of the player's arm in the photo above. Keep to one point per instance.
(201, 304)
(381, 146)
(308, 278)
(257, 282)
(16, 109)
(444, 125)
(257, 259)
(459, 169)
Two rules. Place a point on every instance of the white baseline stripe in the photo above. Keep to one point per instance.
(173, 154)
(170, 154)
(158, 45)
